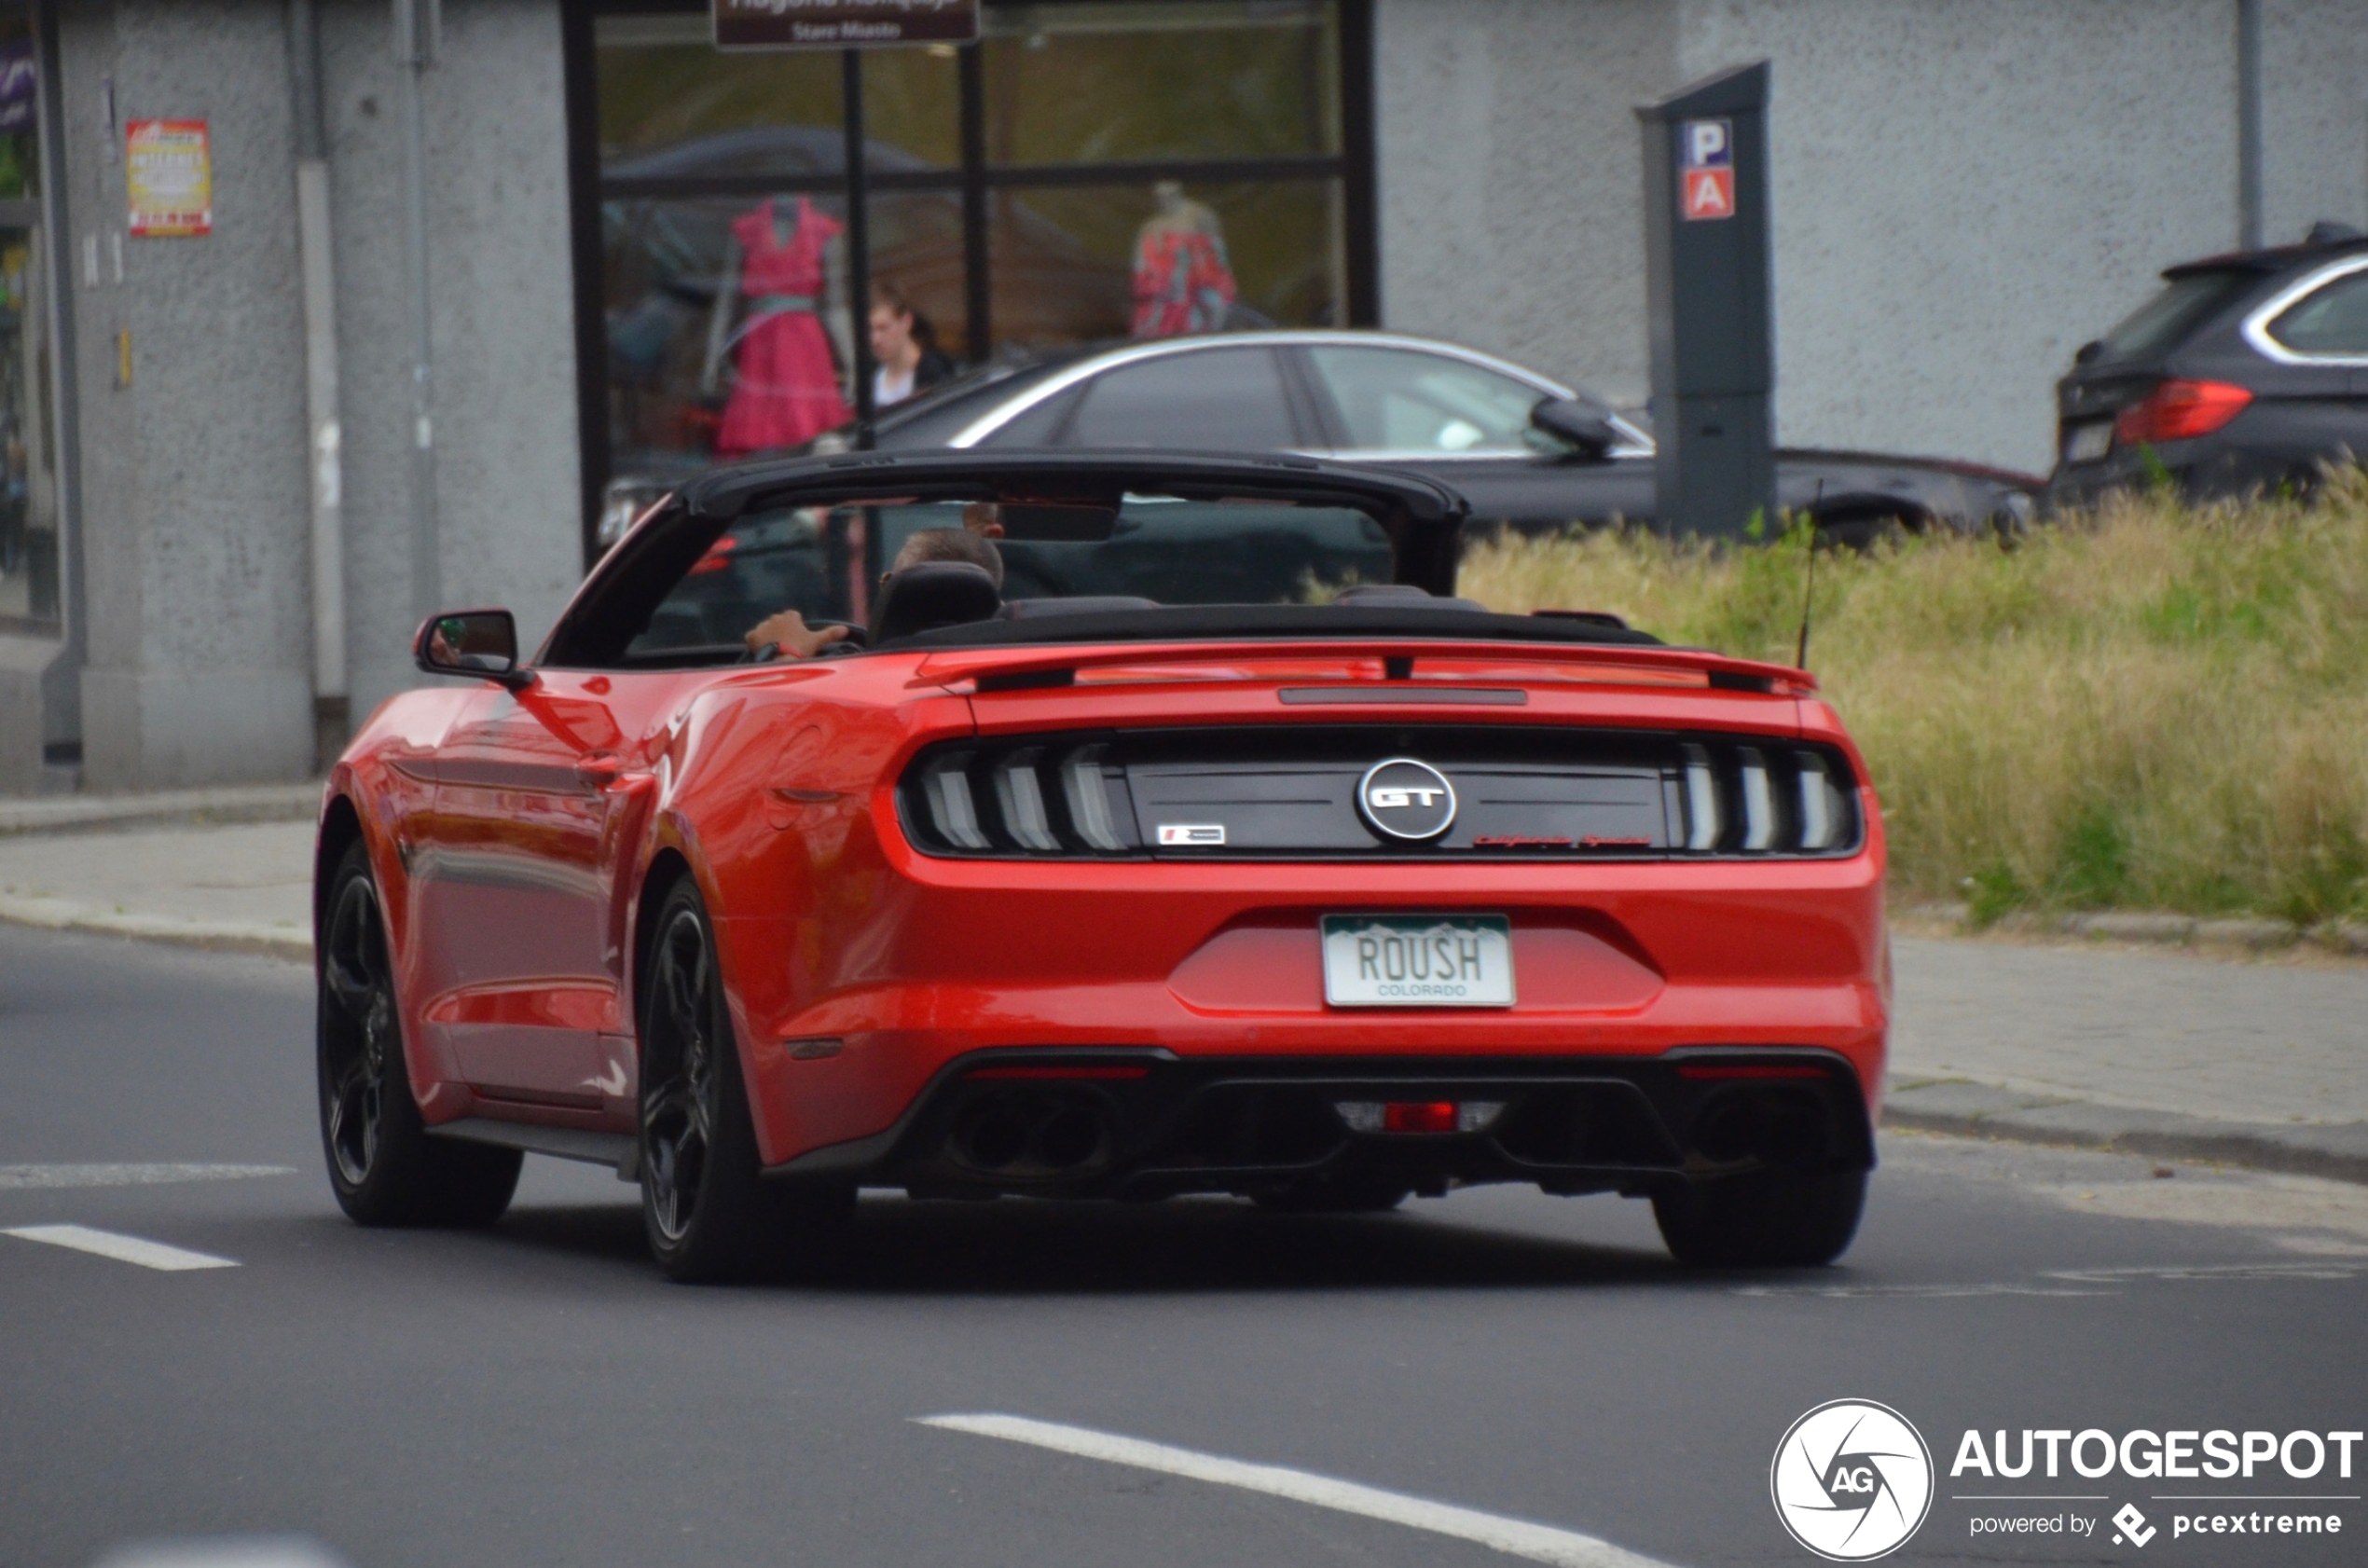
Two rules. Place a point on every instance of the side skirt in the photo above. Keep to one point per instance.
(617, 1151)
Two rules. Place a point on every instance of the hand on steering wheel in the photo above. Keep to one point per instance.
(786, 635)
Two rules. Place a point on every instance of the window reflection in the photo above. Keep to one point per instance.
(28, 475)
(1147, 170)
(1104, 83)
(672, 105)
(1131, 267)
(690, 327)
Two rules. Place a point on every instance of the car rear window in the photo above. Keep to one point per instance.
(2183, 305)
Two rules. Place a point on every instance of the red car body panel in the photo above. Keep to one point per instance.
(514, 833)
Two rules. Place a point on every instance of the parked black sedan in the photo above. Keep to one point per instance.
(2244, 374)
(1526, 450)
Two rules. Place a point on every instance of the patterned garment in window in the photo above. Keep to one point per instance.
(1183, 281)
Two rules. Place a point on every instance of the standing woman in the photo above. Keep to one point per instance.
(903, 347)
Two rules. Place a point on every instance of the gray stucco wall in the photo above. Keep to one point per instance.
(1964, 190)
(1967, 190)
(508, 485)
(193, 482)
(2314, 115)
(195, 505)
(1512, 212)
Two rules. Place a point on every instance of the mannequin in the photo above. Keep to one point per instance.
(1182, 280)
(786, 268)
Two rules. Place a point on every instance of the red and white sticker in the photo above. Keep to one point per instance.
(1191, 835)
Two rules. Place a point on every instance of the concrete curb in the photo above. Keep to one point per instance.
(194, 808)
(1978, 1110)
(224, 936)
(2257, 935)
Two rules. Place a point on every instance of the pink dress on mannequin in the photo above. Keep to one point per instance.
(785, 389)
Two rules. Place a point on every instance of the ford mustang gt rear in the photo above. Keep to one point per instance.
(1212, 849)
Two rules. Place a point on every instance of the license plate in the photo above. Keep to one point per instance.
(2088, 443)
(1418, 960)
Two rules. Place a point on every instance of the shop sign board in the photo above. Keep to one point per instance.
(841, 24)
(168, 173)
(1705, 169)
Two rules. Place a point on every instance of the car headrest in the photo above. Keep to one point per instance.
(1084, 604)
(932, 594)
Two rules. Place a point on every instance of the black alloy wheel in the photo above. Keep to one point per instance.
(384, 1167)
(705, 1206)
(1771, 1218)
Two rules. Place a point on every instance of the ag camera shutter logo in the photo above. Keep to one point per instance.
(1852, 1480)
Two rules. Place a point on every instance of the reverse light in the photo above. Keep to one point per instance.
(2180, 410)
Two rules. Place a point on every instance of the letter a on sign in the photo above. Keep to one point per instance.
(1705, 169)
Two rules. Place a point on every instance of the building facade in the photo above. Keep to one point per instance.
(228, 488)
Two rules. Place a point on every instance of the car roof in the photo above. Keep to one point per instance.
(948, 473)
(2269, 260)
(1076, 365)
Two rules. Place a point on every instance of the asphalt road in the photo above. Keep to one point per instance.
(536, 1394)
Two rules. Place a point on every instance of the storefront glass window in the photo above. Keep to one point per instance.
(671, 106)
(28, 472)
(1135, 169)
(1116, 82)
(1079, 264)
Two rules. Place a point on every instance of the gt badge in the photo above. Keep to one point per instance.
(1406, 799)
(1197, 835)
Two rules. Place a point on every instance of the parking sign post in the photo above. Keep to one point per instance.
(1708, 287)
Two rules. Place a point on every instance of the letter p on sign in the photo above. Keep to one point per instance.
(1705, 169)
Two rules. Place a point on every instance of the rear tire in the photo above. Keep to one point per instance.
(1765, 1219)
(384, 1167)
(710, 1213)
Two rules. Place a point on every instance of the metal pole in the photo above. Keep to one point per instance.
(2249, 113)
(858, 247)
(330, 706)
(415, 41)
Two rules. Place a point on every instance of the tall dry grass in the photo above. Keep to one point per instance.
(2156, 706)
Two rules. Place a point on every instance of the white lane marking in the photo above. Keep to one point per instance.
(1538, 1543)
(1913, 1292)
(2243, 1272)
(124, 1249)
(21, 1176)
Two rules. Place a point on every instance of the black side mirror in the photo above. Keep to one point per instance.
(1577, 423)
(2088, 351)
(479, 642)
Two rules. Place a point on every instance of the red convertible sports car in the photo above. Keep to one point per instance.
(1214, 848)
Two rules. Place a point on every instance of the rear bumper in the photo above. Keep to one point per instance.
(1148, 1124)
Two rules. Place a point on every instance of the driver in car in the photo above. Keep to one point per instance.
(785, 635)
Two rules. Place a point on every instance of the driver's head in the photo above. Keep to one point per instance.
(951, 545)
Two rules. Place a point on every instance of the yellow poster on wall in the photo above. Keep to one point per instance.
(168, 171)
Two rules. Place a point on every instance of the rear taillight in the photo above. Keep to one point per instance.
(2180, 411)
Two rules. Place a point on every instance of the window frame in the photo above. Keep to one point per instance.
(2259, 320)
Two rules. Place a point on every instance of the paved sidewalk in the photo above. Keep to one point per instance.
(2158, 1054)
